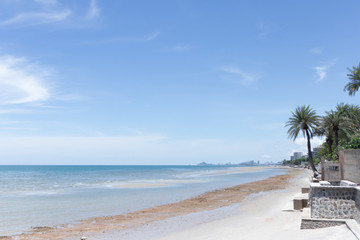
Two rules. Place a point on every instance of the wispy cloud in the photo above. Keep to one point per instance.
(94, 10)
(180, 48)
(321, 71)
(150, 37)
(22, 82)
(266, 156)
(47, 2)
(52, 11)
(316, 51)
(238, 75)
(264, 29)
(140, 39)
(36, 18)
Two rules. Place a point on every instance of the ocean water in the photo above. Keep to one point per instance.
(33, 196)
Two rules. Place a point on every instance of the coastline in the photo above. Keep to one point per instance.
(266, 216)
(113, 225)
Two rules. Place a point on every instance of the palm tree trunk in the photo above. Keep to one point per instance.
(309, 151)
(336, 132)
(329, 142)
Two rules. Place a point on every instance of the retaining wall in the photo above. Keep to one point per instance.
(335, 202)
(350, 164)
(331, 171)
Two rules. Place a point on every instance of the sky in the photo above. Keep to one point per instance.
(168, 82)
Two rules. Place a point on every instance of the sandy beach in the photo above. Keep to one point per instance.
(263, 217)
(253, 210)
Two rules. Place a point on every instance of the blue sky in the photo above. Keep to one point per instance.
(167, 82)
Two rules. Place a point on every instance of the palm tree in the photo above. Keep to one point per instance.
(339, 124)
(350, 111)
(354, 84)
(323, 130)
(303, 119)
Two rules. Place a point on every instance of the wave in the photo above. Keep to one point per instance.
(218, 172)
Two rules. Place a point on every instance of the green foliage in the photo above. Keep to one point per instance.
(354, 76)
(303, 119)
(326, 154)
(353, 144)
(298, 161)
(316, 161)
(340, 127)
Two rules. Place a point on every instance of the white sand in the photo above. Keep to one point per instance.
(261, 217)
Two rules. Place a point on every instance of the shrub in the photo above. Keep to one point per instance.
(353, 144)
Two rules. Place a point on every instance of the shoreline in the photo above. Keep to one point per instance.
(265, 216)
(208, 201)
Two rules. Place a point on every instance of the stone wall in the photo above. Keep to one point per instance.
(315, 224)
(350, 164)
(357, 204)
(335, 202)
(330, 171)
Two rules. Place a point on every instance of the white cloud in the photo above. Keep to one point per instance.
(238, 75)
(316, 51)
(150, 37)
(141, 39)
(94, 10)
(266, 156)
(302, 144)
(321, 71)
(47, 2)
(52, 11)
(264, 29)
(36, 18)
(22, 82)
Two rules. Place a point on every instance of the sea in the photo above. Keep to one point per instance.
(33, 196)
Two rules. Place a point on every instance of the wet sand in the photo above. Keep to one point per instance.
(205, 202)
(266, 216)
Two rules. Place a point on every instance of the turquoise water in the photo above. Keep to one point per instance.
(51, 195)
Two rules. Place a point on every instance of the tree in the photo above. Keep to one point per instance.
(303, 119)
(324, 130)
(354, 77)
(338, 123)
(352, 112)
(339, 126)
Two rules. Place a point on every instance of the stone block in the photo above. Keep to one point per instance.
(298, 204)
(347, 183)
(305, 190)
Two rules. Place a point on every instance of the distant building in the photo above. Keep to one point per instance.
(297, 155)
(315, 151)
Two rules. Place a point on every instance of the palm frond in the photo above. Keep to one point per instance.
(353, 85)
(303, 119)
